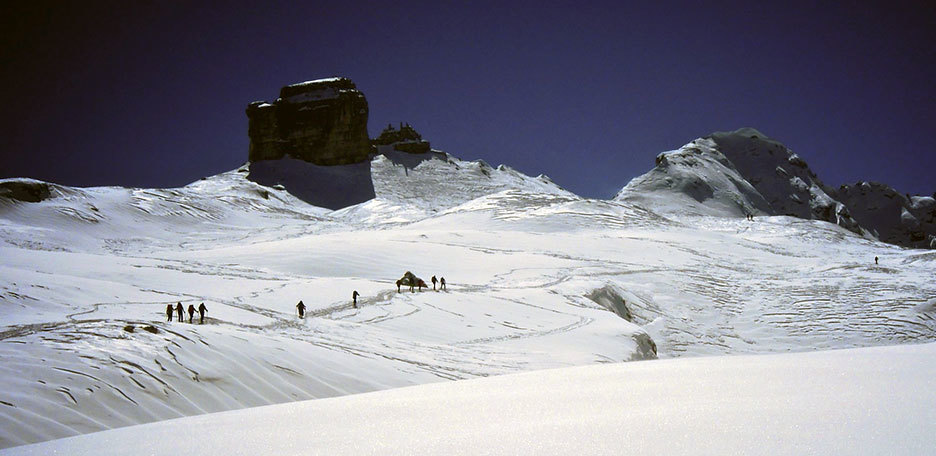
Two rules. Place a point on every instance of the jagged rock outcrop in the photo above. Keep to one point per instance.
(406, 139)
(893, 217)
(26, 190)
(322, 122)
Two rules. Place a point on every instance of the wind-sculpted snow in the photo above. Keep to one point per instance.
(868, 401)
(534, 275)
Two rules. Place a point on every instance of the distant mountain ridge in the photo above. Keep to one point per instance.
(745, 172)
(312, 144)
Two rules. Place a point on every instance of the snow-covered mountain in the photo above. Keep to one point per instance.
(735, 174)
(537, 277)
(744, 172)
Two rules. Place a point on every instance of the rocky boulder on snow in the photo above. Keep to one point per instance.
(26, 190)
(322, 122)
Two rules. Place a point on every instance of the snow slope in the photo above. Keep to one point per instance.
(737, 173)
(537, 278)
(861, 401)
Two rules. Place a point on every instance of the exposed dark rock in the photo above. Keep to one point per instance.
(895, 218)
(646, 347)
(415, 147)
(27, 190)
(406, 139)
(608, 298)
(783, 178)
(322, 122)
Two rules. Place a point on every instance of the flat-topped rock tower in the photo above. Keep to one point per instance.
(322, 122)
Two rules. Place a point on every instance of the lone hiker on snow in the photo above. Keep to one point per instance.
(191, 312)
(875, 260)
(434, 280)
(354, 298)
(169, 311)
(201, 313)
(301, 308)
(179, 310)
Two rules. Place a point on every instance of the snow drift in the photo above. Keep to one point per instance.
(866, 401)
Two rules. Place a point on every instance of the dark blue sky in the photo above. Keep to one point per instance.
(152, 94)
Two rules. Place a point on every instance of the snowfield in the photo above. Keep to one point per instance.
(538, 278)
(855, 402)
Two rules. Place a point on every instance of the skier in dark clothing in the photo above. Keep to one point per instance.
(398, 283)
(354, 298)
(301, 308)
(875, 260)
(179, 310)
(201, 313)
(434, 280)
(442, 283)
(169, 312)
(191, 312)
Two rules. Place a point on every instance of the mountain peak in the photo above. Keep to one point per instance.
(738, 173)
(741, 172)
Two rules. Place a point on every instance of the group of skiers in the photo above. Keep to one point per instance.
(191, 312)
(301, 307)
(418, 283)
(180, 311)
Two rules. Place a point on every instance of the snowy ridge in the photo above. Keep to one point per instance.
(696, 180)
(537, 278)
(735, 174)
(410, 187)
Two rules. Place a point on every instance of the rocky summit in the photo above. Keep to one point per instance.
(406, 139)
(322, 122)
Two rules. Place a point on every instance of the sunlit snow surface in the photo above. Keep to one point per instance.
(535, 278)
(861, 401)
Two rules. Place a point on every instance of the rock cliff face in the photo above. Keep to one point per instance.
(783, 178)
(893, 217)
(322, 122)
